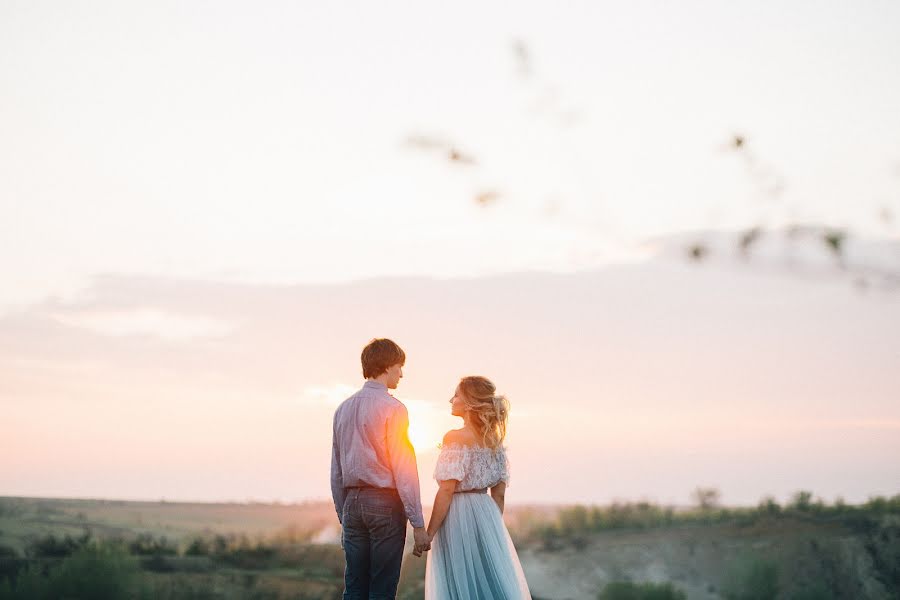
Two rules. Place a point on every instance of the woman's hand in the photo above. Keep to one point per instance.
(422, 539)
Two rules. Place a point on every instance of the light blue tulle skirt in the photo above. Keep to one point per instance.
(472, 556)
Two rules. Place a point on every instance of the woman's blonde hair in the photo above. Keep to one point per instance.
(487, 410)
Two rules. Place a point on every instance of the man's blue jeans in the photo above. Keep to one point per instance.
(374, 534)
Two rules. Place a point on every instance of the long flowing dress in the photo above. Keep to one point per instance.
(472, 556)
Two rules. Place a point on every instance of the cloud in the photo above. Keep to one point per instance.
(655, 364)
(147, 321)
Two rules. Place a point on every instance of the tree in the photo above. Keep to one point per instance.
(706, 498)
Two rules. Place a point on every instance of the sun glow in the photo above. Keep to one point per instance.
(423, 426)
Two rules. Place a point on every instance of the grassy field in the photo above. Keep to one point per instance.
(803, 551)
(23, 518)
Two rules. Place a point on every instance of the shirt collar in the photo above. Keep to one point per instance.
(374, 385)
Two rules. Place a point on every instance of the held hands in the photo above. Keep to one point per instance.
(422, 539)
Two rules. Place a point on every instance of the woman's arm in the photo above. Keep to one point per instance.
(498, 493)
(442, 501)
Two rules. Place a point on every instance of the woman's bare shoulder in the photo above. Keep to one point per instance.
(452, 436)
(462, 437)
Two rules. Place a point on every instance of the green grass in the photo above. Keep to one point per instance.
(627, 590)
(170, 550)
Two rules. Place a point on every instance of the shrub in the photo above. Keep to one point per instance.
(883, 546)
(249, 556)
(574, 520)
(769, 506)
(816, 591)
(627, 590)
(96, 571)
(752, 579)
(882, 505)
(198, 547)
(802, 501)
(50, 546)
(147, 545)
(706, 498)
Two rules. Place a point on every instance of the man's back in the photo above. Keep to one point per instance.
(371, 448)
(360, 430)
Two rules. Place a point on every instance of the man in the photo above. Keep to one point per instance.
(374, 479)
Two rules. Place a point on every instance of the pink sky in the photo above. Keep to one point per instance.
(206, 210)
(628, 382)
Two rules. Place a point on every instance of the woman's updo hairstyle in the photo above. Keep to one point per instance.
(488, 411)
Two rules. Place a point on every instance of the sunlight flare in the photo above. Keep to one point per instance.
(424, 432)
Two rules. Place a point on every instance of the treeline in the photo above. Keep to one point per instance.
(239, 551)
(84, 566)
(628, 590)
(571, 525)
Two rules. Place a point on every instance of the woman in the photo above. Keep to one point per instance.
(472, 556)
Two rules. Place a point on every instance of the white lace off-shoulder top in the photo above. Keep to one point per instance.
(475, 467)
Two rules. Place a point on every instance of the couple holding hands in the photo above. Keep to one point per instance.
(375, 486)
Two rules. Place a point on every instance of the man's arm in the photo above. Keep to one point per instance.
(337, 477)
(403, 465)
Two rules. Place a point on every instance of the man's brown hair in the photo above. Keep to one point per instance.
(379, 355)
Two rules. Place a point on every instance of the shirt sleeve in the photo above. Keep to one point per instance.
(403, 465)
(337, 478)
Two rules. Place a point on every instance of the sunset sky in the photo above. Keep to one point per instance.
(207, 209)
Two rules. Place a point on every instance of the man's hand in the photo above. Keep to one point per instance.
(422, 539)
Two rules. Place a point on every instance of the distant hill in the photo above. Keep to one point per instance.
(22, 519)
(797, 558)
(806, 550)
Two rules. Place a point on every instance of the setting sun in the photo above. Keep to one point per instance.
(424, 432)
